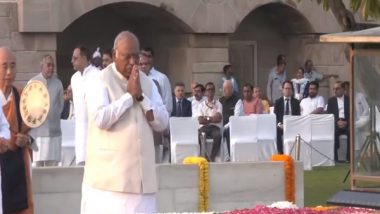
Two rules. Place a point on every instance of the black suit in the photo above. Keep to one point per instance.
(185, 108)
(332, 108)
(279, 110)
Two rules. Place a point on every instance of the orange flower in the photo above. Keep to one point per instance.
(289, 176)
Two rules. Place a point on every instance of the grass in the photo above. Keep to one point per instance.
(323, 182)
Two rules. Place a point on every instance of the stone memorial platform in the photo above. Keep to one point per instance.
(232, 186)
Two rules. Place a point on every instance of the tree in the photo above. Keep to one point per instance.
(345, 17)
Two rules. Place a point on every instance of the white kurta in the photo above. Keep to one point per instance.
(79, 82)
(48, 136)
(308, 104)
(106, 114)
(195, 104)
(165, 87)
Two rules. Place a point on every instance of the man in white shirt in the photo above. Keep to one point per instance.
(210, 117)
(193, 84)
(48, 136)
(314, 103)
(162, 79)
(198, 97)
(79, 81)
(124, 108)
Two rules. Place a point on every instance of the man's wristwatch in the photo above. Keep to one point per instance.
(208, 118)
(140, 98)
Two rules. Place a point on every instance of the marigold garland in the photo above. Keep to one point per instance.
(203, 180)
(289, 176)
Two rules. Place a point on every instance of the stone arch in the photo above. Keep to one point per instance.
(154, 27)
(265, 32)
(274, 28)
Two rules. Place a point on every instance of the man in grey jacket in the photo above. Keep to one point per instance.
(48, 135)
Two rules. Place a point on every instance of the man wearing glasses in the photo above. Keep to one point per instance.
(209, 115)
(285, 105)
(339, 106)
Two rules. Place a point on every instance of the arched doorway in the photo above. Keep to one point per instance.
(267, 31)
(155, 28)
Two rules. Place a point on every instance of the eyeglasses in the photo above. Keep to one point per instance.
(210, 89)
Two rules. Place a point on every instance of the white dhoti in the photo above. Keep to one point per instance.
(96, 201)
(49, 149)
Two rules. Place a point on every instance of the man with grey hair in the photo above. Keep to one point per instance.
(48, 136)
(228, 102)
(124, 108)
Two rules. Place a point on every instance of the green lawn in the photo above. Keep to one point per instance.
(323, 182)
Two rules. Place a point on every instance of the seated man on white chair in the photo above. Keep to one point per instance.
(209, 115)
(314, 103)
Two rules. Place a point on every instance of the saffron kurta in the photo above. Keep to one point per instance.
(15, 164)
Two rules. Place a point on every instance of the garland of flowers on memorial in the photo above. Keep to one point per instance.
(203, 180)
(289, 176)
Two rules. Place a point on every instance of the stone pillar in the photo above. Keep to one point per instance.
(201, 60)
(29, 48)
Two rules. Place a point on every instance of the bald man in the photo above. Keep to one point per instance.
(124, 108)
(16, 185)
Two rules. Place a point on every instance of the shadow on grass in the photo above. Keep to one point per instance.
(323, 182)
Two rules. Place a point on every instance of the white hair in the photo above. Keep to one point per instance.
(124, 35)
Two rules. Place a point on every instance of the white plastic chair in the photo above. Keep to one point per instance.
(266, 136)
(294, 125)
(322, 139)
(183, 138)
(243, 138)
(68, 142)
(223, 151)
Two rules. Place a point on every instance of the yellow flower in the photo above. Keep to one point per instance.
(203, 180)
